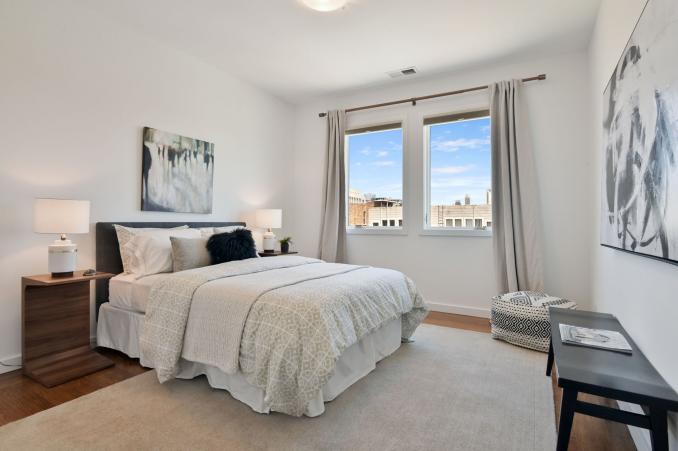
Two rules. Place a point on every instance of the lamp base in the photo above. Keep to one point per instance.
(269, 242)
(61, 258)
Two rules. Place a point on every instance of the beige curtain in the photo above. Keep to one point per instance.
(515, 221)
(333, 229)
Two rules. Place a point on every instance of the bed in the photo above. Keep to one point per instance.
(285, 334)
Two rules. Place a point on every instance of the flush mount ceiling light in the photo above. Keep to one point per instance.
(325, 5)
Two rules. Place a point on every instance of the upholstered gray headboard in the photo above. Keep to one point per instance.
(108, 252)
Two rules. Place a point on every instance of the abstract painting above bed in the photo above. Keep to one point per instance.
(639, 208)
(176, 173)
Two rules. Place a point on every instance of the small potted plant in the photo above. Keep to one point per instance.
(285, 244)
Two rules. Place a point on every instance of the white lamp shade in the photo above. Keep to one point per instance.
(269, 218)
(61, 216)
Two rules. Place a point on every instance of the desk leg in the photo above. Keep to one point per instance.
(659, 434)
(549, 361)
(567, 405)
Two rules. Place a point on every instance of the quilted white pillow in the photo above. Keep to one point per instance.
(152, 252)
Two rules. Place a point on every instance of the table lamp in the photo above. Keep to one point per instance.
(269, 219)
(61, 216)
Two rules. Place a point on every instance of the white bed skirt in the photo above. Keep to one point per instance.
(120, 329)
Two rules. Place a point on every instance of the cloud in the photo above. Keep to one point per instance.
(452, 169)
(382, 153)
(365, 151)
(453, 145)
(392, 145)
(384, 163)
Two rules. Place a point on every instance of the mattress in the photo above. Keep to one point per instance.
(120, 329)
(128, 292)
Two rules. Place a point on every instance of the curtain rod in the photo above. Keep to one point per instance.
(414, 100)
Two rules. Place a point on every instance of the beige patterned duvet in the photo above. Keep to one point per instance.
(283, 322)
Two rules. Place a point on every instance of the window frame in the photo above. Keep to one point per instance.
(372, 126)
(426, 123)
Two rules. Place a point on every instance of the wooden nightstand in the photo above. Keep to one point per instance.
(55, 328)
(275, 254)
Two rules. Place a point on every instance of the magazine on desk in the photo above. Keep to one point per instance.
(594, 338)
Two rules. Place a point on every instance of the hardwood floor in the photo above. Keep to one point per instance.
(21, 397)
(594, 433)
(459, 321)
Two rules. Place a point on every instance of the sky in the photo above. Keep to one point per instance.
(376, 163)
(460, 162)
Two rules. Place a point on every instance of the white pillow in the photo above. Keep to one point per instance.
(258, 237)
(206, 232)
(125, 235)
(227, 229)
(152, 252)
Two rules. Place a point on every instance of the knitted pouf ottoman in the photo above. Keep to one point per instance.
(522, 318)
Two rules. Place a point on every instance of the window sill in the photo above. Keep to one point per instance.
(456, 232)
(376, 231)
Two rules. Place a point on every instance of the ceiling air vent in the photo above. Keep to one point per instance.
(400, 72)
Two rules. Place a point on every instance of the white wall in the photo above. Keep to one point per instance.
(455, 274)
(640, 291)
(75, 92)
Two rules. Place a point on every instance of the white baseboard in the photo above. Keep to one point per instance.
(14, 360)
(459, 309)
(640, 436)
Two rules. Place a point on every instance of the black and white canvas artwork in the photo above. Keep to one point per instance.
(176, 173)
(640, 135)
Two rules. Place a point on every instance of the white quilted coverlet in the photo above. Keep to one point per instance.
(282, 321)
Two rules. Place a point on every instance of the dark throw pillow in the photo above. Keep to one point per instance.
(229, 246)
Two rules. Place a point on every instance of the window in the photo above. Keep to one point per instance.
(458, 171)
(374, 167)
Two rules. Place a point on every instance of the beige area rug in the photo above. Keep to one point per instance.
(449, 390)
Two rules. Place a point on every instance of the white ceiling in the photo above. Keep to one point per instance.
(295, 52)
